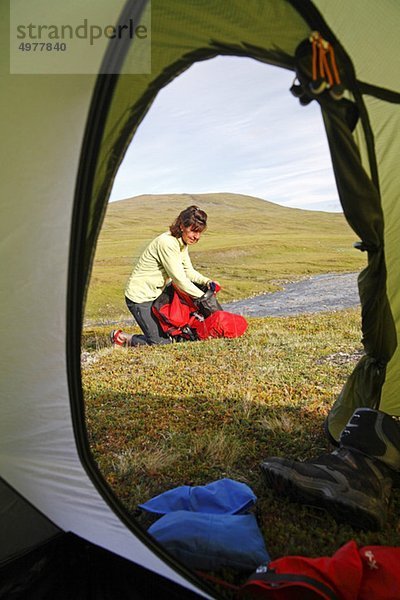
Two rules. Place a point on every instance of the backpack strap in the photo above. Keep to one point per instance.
(273, 581)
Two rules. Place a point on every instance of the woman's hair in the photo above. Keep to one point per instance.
(192, 217)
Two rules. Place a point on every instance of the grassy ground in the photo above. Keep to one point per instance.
(159, 417)
(251, 246)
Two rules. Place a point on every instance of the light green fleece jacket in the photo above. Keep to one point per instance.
(165, 258)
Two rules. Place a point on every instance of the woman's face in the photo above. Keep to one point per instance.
(189, 236)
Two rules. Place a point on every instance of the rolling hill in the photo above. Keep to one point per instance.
(250, 246)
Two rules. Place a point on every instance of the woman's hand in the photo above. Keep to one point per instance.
(214, 286)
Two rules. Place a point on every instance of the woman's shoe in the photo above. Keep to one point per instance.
(119, 338)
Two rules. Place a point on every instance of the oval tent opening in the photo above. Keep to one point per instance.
(190, 414)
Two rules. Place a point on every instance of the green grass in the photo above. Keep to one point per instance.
(159, 417)
(251, 246)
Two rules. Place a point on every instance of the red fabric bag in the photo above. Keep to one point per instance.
(179, 316)
(369, 573)
(300, 578)
(221, 324)
(176, 312)
(381, 573)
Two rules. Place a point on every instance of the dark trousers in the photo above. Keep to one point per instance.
(152, 332)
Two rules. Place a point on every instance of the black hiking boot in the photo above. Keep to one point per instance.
(354, 482)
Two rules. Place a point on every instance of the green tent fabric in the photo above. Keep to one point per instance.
(64, 137)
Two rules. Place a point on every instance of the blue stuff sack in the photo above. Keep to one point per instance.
(208, 542)
(224, 496)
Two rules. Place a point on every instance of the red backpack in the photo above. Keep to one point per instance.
(182, 319)
(369, 573)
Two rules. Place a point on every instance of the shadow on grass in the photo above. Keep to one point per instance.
(146, 444)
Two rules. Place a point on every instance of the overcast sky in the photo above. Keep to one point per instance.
(231, 125)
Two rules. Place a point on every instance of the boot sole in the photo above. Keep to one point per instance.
(358, 512)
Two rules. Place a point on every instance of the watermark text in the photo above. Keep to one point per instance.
(51, 37)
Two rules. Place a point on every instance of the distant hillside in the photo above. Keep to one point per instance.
(250, 245)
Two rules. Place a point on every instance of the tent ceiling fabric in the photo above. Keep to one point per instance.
(374, 47)
(368, 31)
(385, 121)
(44, 127)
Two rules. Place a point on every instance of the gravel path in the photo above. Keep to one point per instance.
(316, 294)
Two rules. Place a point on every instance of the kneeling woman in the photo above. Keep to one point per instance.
(165, 259)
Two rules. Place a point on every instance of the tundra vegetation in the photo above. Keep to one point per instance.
(191, 413)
